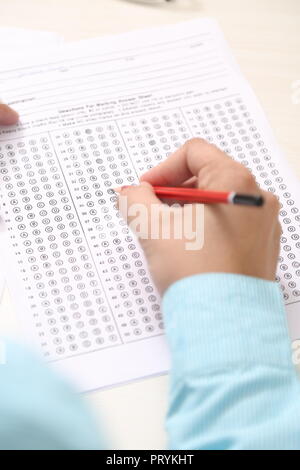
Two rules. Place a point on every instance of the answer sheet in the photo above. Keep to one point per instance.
(95, 116)
(19, 41)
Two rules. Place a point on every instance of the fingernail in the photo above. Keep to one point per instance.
(120, 188)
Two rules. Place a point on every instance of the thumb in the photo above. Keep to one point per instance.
(136, 204)
(8, 116)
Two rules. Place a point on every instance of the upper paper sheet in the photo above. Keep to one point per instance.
(19, 41)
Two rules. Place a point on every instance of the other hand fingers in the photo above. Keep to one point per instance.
(8, 116)
(213, 169)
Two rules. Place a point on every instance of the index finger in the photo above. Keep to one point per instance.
(8, 116)
(188, 161)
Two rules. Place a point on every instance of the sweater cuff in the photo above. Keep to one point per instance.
(220, 321)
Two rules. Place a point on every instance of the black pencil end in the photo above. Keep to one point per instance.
(248, 200)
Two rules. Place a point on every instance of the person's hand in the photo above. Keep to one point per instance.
(237, 239)
(8, 116)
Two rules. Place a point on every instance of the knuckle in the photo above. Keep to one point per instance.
(197, 144)
(272, 201)
(246, 177)
(195, 141)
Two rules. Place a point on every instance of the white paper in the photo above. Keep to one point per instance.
(17, 42)
(18, 39)
(95, 116)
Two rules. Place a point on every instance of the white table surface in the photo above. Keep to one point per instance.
(265, 38)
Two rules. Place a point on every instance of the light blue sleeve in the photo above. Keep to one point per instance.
(37, 409)
(233, 385)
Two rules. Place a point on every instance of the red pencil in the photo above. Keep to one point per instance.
(207, 197)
